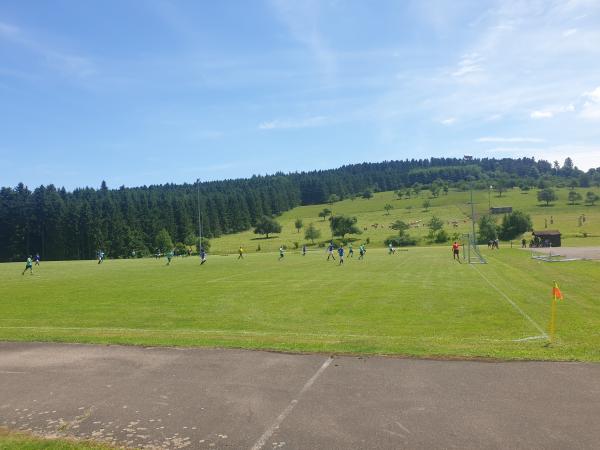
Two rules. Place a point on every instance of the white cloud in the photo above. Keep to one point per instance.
(448, 121)
(541, 114)
(308, 122)
(469, 64)
(510, 140)
(552, 111)
(591, 108)
(594, 95)
(570, 32)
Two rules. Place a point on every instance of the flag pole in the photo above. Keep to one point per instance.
(556, 294)
(553, 319)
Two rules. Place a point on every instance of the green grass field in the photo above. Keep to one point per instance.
(454, 207)
(417, 302)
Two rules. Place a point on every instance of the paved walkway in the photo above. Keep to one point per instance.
(202, 398)
(571, 252)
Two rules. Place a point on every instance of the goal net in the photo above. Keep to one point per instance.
(471, 253)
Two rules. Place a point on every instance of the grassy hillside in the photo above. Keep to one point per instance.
(453, 207)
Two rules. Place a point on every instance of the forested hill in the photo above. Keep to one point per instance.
(74, 225)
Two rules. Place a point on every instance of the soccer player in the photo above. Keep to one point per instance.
(391, 249)
(241, 253)
(330, 251)
(341, 255)
(169, 257)
(28, 265)
(304, 250)
(100, 256)
(37, 259)
(456, 251)
(350, 250)
(361, 252)
(202, 255)
(281, 253)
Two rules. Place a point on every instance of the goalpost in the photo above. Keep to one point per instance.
(471, 253)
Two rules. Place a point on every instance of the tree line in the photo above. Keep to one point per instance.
(61, 224)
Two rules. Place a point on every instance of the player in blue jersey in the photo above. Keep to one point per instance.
(341, 255)
(330, 251)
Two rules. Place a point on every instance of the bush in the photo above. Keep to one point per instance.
(441, 237)
(180, 248)
(401, 241)
(488, 230)
(514, 224)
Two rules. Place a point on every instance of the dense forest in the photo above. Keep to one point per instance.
(59, 224)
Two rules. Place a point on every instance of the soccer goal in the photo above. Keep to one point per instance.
(471, 253)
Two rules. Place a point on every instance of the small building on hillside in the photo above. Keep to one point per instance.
(501, 209)
(547, 238)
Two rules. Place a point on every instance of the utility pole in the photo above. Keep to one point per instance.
(472, 213)
(199, 216)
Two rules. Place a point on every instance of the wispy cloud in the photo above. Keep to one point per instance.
(496, 74)
(541, 114)
(449, 121)
(469, 64)
(66, 63)
(551, 112)
(510, 140)
(8, 30)
(591, 107)
(302, 21)
(308, 122)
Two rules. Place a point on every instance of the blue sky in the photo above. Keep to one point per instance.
(156, 91)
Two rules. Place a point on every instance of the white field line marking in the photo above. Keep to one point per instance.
(514, 305)
(10, 371)
(530, 338)
(403, 427)
(393, 433)
(275, 425)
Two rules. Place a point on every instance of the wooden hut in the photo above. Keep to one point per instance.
(551, 237)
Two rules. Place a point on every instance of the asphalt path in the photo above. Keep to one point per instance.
(213, 398)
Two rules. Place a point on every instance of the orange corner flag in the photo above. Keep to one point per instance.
(556, 292)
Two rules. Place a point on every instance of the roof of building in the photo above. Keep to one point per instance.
(547, 233)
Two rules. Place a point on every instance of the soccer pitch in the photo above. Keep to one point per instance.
(415, 303)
